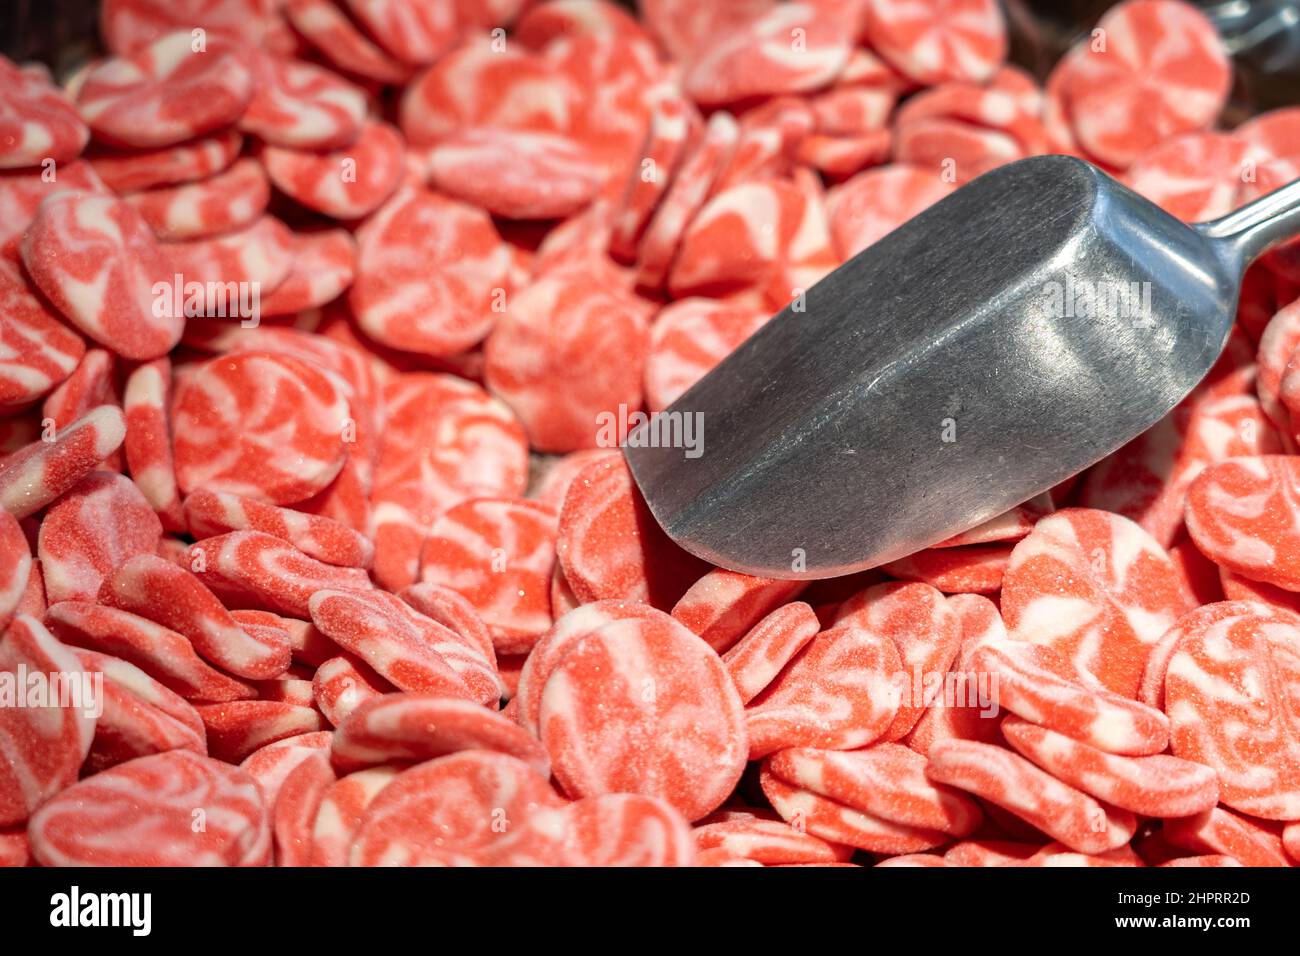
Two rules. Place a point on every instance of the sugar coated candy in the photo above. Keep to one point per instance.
(323, 324)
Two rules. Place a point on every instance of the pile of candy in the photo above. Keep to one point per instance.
(290, 292)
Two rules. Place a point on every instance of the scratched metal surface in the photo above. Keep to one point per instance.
(943, 324)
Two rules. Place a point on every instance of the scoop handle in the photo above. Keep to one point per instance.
(1244, 234)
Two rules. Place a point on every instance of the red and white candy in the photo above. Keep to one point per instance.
(301, 302)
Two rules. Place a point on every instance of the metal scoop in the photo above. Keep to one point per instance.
(1006, 338)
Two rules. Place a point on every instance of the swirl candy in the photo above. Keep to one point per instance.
(321, 322)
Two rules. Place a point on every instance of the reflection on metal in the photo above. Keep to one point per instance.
(1006, 338)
